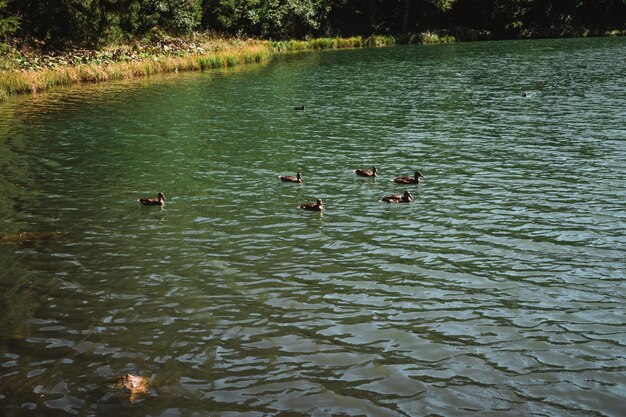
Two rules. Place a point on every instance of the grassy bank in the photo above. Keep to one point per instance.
(32, 73)
(43, 72)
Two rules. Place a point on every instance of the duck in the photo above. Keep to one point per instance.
(291, 178)
(158, 201)
(317, 206)
(409, 180)
(299, 107)
(366, 172)
(399, 198)
(132, 385)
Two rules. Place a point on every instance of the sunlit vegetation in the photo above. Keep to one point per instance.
(38, 79)
(46, 72)
(333, 43)
(44, 43)
(432, 37)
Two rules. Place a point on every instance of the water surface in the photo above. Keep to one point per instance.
(500, 291)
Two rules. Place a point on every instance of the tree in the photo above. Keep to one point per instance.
(9, 23)
(71, 23)
(408, 5)
(178, 17)
(67, 23)
(268, 18)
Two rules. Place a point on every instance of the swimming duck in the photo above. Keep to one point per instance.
(158, 201)
(366, 172)
(299, 107)
(132, 385)
(317, 206)
(291, 178)
(135, 384)
(399, 198)
(409, 180)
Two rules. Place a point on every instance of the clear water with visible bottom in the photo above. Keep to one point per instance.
(499, 291)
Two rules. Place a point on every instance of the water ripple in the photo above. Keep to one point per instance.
(500, 290)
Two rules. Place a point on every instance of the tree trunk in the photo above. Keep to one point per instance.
(405, 15)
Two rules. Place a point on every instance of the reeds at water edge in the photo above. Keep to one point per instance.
(31, 81)
(221, 54)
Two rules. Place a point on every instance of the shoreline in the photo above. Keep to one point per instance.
(35, 73)
(127, 62)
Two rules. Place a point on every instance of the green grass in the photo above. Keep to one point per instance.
(433, 38)
(31, 81)
(615, 32)
(333, 43)
(220, 53)
(379, 40)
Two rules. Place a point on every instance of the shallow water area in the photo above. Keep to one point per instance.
(499, 291)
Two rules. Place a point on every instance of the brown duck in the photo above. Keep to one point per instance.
(158, 201)
(317, 206)
(291, 178)
(409, 180)
(399, 198)
(366, 172)
(131, 385)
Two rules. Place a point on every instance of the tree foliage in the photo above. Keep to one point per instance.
(8, 23)
(60, 23)
(63, 23)
(267, 18)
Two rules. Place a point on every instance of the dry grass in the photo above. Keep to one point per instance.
(212, 54)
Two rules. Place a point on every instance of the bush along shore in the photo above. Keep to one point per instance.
(30, 71)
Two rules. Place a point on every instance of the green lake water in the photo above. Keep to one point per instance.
(500, 291)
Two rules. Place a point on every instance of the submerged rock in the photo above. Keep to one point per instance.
(16, 238)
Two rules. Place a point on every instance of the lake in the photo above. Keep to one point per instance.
(499, 291)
